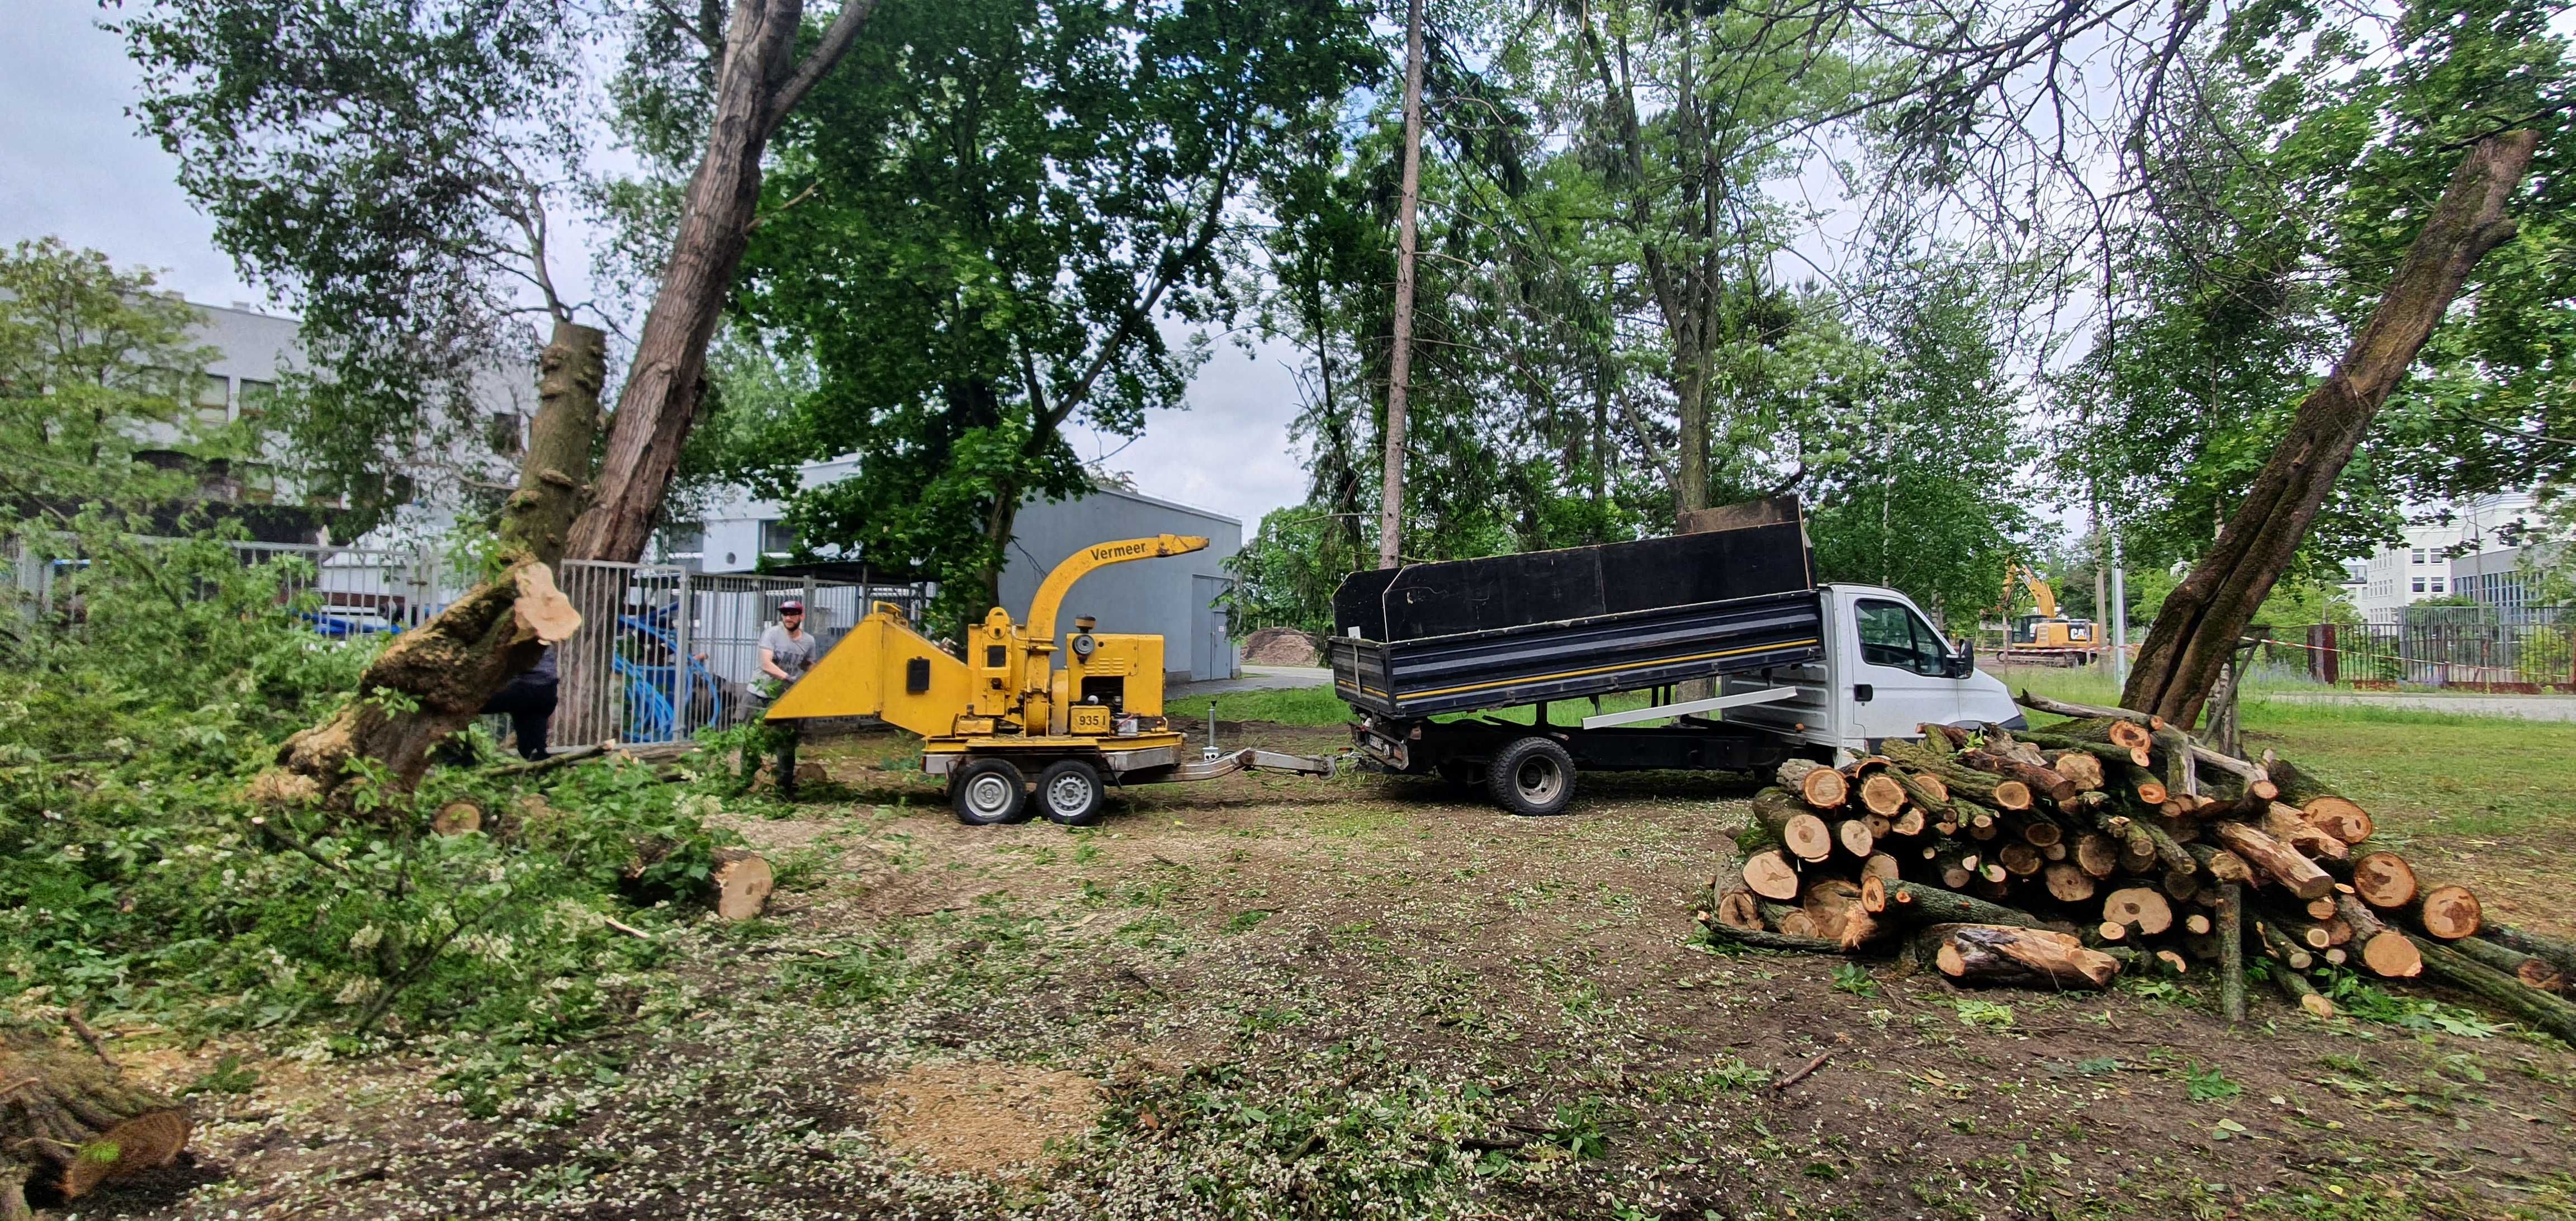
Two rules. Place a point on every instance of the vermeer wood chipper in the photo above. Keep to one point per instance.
(1005, 712)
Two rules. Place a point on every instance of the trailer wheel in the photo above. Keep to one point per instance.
(1532, 777)
(1069, 793)
(988, 792)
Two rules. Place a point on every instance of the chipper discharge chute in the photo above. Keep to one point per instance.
(1006, 712)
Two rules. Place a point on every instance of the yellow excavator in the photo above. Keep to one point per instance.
(1005, 712)
(2046, 638)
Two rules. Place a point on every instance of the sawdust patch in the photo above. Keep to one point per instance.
(994, 1119)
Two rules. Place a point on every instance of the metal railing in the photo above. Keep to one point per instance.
(665, 652)
(2523, 657)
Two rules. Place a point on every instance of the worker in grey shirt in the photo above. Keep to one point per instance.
(786, 652)
(786, 648)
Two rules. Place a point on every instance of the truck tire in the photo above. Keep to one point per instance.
(1070, 793)
(1532, 777)
(988, 792)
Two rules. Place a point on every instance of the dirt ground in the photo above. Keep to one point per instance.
(1273, 996)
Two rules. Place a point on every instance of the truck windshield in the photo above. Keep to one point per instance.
(1892, 635)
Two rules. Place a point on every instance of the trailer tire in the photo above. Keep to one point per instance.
(988, 793)
(1533, 777)
(1070, 793)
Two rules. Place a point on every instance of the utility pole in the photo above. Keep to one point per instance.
(2119, 617)
(1390, 512)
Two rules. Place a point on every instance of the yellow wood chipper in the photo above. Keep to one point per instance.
(1005, 712)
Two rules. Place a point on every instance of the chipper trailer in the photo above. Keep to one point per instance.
(1006, 712)
(1791, 667)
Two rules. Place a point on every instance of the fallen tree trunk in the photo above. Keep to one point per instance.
(435, 679)
(2558, 953)
(2022, 957)
(69, 1122)
(1759, 939)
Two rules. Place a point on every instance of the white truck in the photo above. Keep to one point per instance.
(1746, 661)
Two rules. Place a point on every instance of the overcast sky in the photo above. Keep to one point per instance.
(72, 166)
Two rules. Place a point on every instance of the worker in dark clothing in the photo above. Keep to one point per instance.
(529, 701)
(787, 650)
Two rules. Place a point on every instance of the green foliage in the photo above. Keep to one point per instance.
(1005, 198)
(1287, 571)
(1987, 1015)
(387, 168)
(96, 367)
(1854, 978)
(135, 878)
(2209, 1084)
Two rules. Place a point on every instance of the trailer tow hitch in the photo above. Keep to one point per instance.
(1250, 759)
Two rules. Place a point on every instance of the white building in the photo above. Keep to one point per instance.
(251, 351)
(2439, 559)
(1175, 598)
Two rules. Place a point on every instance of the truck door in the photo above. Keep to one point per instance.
(1899, 679)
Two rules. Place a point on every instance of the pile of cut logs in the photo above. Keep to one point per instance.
(2063, 856)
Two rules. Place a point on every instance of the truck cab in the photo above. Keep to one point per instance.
(1884, 671)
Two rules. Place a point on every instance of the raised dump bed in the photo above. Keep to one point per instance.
(1511, 630)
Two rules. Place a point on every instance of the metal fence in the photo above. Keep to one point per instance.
(2523, 657)
(665, 652)
(622, 676)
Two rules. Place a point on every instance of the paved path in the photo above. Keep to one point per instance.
(1256, 678)
(2524, 707)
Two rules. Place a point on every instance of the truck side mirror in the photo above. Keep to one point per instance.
(1962, 663)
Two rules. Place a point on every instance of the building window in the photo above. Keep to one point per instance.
(2419, 585)
(2437, 585)
(213, 399)
(256, 397)
(776, 538)
(684, 540)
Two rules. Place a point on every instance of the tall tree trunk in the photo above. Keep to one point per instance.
(441, 674)
(1390, 509)
(2201, 620)
(757, 84)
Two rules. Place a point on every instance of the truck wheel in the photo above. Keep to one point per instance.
(988, 792)
(1069, 793)
(1532, 777)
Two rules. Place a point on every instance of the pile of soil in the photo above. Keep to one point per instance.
(1282, 646)
(994, 1119)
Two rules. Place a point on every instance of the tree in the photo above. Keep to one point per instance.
(96, 366)
(2199, 626)
(1915, 482)
(1002, 205)
(389, 168)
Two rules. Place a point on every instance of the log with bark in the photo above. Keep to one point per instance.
(2446, 912)
(2003, 954)
(70, 1121)
(2555, 951)
(1819, 786)
(2532, 971)
(1786, 818)
(2527, 1004)
(2384, 950)
(2274, 860)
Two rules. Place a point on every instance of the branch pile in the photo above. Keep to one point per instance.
(2064, 856)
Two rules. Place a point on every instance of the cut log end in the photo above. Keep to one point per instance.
(1769, 874)
(1995, 954)
(2138, 906)
(2383, 880)
(1736, 909)
(2450, 912)
(1881, 794)
(742, 882)
(2390, 955)
(457, 818)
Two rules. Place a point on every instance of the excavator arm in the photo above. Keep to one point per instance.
(1051, 592)
(2039, 590)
